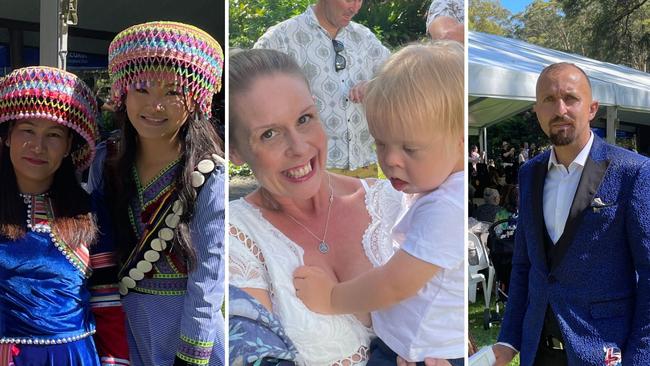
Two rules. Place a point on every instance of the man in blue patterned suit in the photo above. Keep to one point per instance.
(580, 286)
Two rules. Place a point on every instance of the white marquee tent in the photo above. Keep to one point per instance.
(503, 73)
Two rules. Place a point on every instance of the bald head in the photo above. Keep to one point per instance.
(561, 66)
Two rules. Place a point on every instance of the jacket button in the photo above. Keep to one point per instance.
(552, 279)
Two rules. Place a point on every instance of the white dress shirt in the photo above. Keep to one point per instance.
(559, 189)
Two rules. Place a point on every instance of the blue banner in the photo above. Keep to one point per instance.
(75, 60)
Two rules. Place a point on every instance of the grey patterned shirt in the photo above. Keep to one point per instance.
(350, 145)
(451, 8)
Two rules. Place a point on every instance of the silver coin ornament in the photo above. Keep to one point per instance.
(166, 234)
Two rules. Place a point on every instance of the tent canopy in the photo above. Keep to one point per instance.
(503, 73)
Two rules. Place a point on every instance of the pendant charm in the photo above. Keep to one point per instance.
(323, 247)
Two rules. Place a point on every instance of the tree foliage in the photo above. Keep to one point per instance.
(488, 16)
(250, 19)
(619, 31)
(544, 23)
(616, 31)
(395, 22)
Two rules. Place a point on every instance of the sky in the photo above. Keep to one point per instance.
(515, 6)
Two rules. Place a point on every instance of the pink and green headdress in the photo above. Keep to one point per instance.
(167, 52)
(55, 95)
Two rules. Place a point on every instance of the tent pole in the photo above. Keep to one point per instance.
(53, 33)
(612, 122)
(483, 141)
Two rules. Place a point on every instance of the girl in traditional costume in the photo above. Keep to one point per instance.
(49, 235)
(165, 186)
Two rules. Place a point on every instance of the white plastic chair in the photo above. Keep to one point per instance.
(475, 277)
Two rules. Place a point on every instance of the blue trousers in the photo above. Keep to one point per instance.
(382, 355)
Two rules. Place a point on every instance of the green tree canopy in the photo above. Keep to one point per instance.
(544, 23)
(607, 30)
(488, 16)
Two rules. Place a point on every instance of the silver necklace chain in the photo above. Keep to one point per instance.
(323, 247)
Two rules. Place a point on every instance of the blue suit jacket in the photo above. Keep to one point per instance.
(598, 282)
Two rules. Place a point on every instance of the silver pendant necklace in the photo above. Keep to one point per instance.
(323, 247)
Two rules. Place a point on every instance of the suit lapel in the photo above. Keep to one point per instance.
(539, 175)
(592, 175)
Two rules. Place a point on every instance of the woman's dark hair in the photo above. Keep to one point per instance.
(73, 220)
(247, 66)
(198, 140)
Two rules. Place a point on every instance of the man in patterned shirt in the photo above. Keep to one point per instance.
(338, 57)
(445, 20)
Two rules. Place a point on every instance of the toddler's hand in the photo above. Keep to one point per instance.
(358, 92)
(314, 287)
(436, 362)
(403, 362)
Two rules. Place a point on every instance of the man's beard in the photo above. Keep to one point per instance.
(564, 137)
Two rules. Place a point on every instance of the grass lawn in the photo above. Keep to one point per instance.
(481, 336)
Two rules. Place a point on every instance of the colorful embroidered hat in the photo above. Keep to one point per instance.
(56, 95)
(166, 52)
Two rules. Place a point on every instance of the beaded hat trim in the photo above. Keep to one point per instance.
(166, 52)
(55, 95)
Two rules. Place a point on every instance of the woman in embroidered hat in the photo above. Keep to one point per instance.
(49, 242)
(165, 186)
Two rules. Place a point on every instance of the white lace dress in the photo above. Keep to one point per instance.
(262, 257)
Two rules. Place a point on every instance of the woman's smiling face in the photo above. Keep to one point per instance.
(280, 136)
(157, 111)
(37, 147)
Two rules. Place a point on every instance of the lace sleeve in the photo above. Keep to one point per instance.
(246, 261)
(384, 205)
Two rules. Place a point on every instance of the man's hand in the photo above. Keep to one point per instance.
(503, 354)
(358, 92)
(314, 287)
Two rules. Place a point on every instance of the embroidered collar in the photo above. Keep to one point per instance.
(157, 186)
(39, 212)
(40, 216)
(149, 196)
